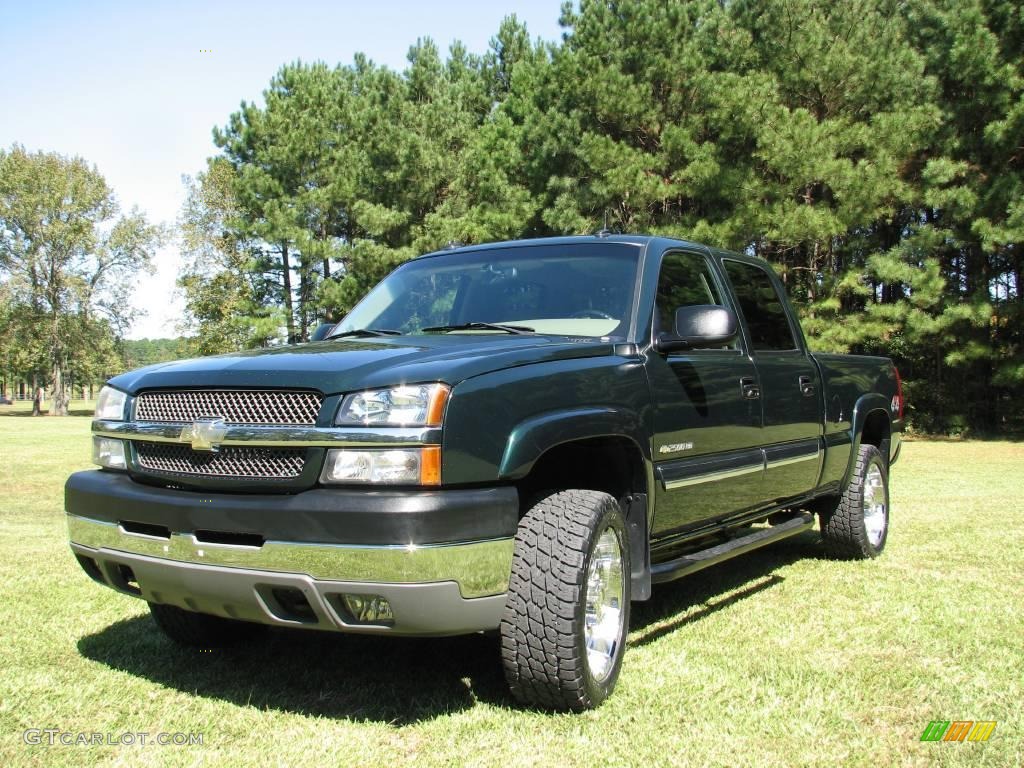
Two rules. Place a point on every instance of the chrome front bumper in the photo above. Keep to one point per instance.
(433, 589)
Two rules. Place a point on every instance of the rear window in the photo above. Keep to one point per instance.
(762, 307)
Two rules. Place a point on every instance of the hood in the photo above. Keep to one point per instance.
(345, 365)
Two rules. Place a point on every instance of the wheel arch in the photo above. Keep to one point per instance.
(871, 425)
(596, 449)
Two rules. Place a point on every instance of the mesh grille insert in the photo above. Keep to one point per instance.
(233, 406)
(230, 461)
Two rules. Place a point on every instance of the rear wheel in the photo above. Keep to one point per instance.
(857, 526)
(200, 630)
(567, 611)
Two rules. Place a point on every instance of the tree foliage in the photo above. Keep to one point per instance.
(67, 256)
(231, 290)
(872, 151)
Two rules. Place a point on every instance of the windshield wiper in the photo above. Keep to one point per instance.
(366, 332)
(516, 329)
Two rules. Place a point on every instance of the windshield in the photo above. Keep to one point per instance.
(581, 289)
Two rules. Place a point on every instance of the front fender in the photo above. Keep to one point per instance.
(531, 438)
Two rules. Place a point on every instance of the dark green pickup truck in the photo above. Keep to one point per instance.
(518, 437)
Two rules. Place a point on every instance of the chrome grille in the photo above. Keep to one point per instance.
(230, 461)
(233, 406)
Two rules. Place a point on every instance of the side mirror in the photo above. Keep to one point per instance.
(698, 327)
(321, 331)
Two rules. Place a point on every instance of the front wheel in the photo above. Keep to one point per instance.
(856, 527)
(563, 633)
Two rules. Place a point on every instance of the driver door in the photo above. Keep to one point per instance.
(707, 411)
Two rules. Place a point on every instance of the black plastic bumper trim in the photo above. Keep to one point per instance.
(321, 515)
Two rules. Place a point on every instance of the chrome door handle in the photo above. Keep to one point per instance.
(806, 386)
(749, 388)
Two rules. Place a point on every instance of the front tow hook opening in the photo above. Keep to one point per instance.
(288, 604)
(122, 578)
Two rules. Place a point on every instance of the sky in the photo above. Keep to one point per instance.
(135, 88)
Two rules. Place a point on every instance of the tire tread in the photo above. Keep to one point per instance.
(842, 528)
(539, 629)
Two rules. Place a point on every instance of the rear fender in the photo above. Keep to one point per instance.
(864, 407)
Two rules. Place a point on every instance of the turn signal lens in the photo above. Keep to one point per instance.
(430, 465)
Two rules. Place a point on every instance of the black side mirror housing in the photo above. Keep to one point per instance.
(699, 327)
(321, 331)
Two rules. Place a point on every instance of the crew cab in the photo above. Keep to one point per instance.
(518, 438)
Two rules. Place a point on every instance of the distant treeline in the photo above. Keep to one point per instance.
(138, 353)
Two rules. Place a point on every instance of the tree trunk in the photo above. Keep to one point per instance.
(1018, 272)
(303, 329)
(326, 259)
(37, 397)
(59, 404)
(286, 269)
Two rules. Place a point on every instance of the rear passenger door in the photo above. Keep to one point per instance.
(707, 418)
(791, 393)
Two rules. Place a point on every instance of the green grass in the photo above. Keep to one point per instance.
(781, 658)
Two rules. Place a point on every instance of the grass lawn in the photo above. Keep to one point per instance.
(780, 658)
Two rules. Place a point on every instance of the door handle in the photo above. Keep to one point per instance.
(749, 388)
(806, 386)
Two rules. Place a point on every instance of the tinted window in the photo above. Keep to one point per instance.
(761, 306)
(685, 281)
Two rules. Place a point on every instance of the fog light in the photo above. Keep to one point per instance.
(411, 466)
(367, 609)
(108, 453)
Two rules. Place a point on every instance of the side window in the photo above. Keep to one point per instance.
(761, 305)
(685, 281)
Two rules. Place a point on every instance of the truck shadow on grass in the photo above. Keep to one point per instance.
(693, 598)
(401, 680)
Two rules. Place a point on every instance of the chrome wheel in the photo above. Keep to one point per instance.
(876, 515)
(603, 621)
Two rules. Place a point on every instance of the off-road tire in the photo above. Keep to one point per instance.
(543, 644)
(843, 529)
(200, 630)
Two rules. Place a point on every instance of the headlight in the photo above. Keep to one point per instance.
(108, 452)
(110, 404)
(384, 466)
(420, 405)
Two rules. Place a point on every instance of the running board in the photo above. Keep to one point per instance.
(696, 561)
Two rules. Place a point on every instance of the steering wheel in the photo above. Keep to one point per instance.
(595, 314)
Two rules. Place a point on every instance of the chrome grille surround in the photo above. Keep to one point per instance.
(234, 406)
(255, 462)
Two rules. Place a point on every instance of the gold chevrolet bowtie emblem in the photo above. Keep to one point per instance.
(204, 434)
